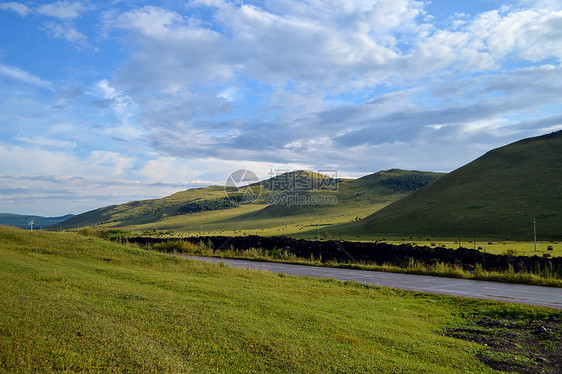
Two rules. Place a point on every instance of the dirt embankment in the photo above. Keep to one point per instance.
(378, 253)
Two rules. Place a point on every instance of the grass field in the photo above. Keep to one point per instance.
(74, 303)
(489, 244)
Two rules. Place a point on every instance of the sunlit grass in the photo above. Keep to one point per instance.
(74, 303)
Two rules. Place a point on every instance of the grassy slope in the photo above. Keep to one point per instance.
(74, 303)
(497, 195)
(355, 198)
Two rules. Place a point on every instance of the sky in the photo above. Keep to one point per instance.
(111, 101)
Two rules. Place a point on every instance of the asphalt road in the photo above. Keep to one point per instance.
(510, 292)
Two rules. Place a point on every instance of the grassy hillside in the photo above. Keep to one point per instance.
(72, 303)
(192, 211)
(22, 221)
(497, 195)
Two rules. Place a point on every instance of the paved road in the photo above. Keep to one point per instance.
(510, 292)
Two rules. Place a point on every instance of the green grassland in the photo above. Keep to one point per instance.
(496, 196)
(489, 245)
(356, 198)
(518, 248)
(74, 303)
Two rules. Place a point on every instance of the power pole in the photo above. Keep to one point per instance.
(535, 232)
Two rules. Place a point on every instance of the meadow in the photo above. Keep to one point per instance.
(75, 303)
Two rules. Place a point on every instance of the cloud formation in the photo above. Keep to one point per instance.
(23, 76)
(65, 10)
(189, 91)
(21, 9)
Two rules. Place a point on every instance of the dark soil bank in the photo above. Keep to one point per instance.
(378, 253)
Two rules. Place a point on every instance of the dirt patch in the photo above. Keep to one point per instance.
(521, 346)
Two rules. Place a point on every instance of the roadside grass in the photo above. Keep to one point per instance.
(493, 245)
(74, 303)
(489, 245)
(541, 277)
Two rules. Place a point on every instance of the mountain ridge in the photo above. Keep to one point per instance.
(350, 193)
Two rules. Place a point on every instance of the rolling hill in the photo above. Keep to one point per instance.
(498, 195)
(22, 221)
(217, 209)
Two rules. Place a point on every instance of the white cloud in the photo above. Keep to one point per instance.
(112, 163)
(23, 76)
(65, 31)
(65, 10)
(291, 61)
(491, 39)
(208, 169)
(124, 108)
(153, 22)
(37, 160)
(19, 8)
(47, 142)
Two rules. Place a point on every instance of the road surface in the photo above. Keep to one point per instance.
(510, 292)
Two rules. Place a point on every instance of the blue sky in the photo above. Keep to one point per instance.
(107, 102)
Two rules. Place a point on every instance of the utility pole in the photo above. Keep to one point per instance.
(535, 232)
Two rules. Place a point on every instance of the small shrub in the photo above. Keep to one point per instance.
(549, 248)
(510, 252)
(87, 231)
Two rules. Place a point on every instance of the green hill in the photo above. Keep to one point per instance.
(22, 221)
(286, 203)
(497, 195)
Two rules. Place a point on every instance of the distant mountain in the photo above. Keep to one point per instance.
(21, 221)
(497, 195)
(219, 208)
